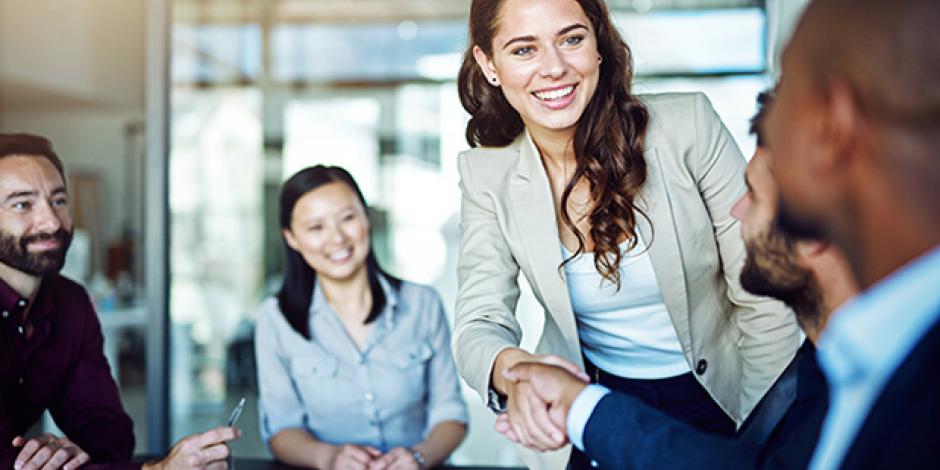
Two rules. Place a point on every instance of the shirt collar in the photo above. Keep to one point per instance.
(874, 332)
(11, 300)
(319, 304)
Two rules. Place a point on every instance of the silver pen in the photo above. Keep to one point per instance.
(236, 412)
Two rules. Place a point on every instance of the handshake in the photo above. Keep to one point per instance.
(540, 391)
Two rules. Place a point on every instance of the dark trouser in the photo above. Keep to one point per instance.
(681, 397)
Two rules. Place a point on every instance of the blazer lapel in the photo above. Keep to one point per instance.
(534, 211)
(664, 245)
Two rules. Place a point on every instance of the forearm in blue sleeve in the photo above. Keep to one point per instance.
(624, 432)
(581, 409)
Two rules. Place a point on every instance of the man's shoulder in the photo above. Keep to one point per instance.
(772, 411)
(70, 297)
(66, 293)
(62, 284)
(915, 373)
(790, 442)
(901, 428)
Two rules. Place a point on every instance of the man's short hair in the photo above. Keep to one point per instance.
(764, 99)
(30, 145)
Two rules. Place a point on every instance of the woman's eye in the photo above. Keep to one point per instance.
(22, 205)
(523, 51)
(574, 40)
(60, 202)
(315, 228)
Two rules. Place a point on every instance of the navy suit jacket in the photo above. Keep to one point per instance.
(624, 432)
(903, 428)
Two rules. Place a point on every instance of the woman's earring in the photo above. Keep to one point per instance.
(600, 59)
(494, 79)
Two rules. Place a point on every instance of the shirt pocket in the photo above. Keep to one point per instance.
(319, 385)
(411, 365)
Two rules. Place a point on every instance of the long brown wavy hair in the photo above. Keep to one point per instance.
(608, 140)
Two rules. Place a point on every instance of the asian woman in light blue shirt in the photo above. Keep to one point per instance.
(354, 365)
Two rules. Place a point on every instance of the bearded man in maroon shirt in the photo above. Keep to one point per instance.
(51, 346)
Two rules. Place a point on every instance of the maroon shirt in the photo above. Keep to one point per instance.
(62, 368)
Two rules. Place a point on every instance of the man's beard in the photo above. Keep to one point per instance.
(771, 269)
(15, 252)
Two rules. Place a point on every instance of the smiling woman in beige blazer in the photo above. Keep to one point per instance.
(566, 157)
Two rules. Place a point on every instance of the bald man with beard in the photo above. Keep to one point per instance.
(855, 136)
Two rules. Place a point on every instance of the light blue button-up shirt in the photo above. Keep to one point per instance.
(390, 394)
(864, 344)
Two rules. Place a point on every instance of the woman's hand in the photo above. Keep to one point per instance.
(353, 457)
(398, 458)
(528, 413)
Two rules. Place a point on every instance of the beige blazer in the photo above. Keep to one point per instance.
(736, 344)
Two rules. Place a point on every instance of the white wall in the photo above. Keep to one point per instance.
(89, 50)
(782, 16)
(73, 71)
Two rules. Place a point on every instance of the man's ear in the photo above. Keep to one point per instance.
(840, 124)
(486, 66)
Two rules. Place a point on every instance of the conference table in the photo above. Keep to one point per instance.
(254, 463)
(245, 463)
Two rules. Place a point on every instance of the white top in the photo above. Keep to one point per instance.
(625, 332)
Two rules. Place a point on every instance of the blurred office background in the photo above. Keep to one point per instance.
(179, 119)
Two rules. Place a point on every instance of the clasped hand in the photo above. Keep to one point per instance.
(354, 457)
(540, 392)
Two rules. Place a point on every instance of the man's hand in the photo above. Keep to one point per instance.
(48, 452)
(504, 427)
(398, 458)
(553, 385)
(529, 419)
(353, 457)
(203, 451)
(527, 410)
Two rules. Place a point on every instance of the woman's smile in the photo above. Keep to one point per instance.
(558, 97)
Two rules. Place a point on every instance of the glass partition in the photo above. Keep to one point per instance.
(258, 93)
